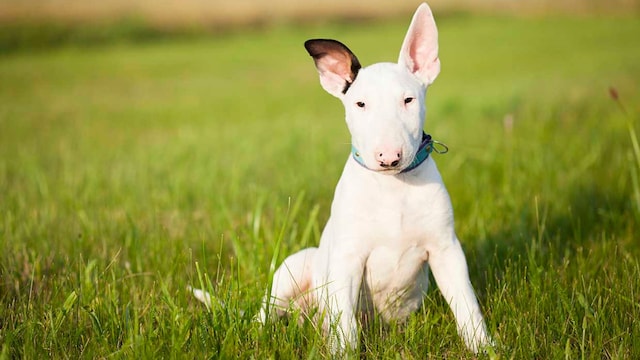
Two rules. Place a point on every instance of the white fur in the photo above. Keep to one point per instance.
(386, 228)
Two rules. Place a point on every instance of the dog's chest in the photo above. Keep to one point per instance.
(400, 218)
(387, 210)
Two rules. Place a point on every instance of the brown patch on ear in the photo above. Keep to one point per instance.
(333, 58)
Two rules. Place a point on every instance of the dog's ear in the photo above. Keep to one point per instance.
(337, 65)
(419, 51)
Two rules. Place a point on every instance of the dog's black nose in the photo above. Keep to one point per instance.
(392, 165)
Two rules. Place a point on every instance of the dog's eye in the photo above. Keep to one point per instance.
(408, 100)
(360, 104)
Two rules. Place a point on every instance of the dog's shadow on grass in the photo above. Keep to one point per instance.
(541, 236)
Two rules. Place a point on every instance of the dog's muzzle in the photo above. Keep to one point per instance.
(427, 146)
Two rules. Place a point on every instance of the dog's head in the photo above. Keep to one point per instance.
(384, 102)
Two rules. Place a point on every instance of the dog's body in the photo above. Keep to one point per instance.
(387, 226)
(391, 218)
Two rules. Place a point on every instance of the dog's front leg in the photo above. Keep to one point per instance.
(449, 268)
(340, 292)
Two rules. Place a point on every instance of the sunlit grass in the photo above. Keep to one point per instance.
(128, 172)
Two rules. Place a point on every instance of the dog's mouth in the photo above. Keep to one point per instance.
(392, 169)
(395, 171)
(427, 145)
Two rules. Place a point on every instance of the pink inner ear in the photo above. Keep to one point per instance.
(424, 48)
(337, 64)
(335, 72)
(420, 47)
(414, 53)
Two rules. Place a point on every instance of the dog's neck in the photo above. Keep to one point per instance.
(426, 147)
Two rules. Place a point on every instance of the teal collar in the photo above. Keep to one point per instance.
(426, 147)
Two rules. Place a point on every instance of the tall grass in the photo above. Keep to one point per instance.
(634, 156)
(128, 172)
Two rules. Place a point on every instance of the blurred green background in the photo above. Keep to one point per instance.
(144, 144)
(47, 23)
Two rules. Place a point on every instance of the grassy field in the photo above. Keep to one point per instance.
(129, 171)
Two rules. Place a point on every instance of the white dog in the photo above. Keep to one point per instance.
(391, 217)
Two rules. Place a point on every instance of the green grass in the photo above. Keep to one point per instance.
(129, 171)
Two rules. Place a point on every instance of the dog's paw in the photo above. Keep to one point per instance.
(483, 344)
(342, 342)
